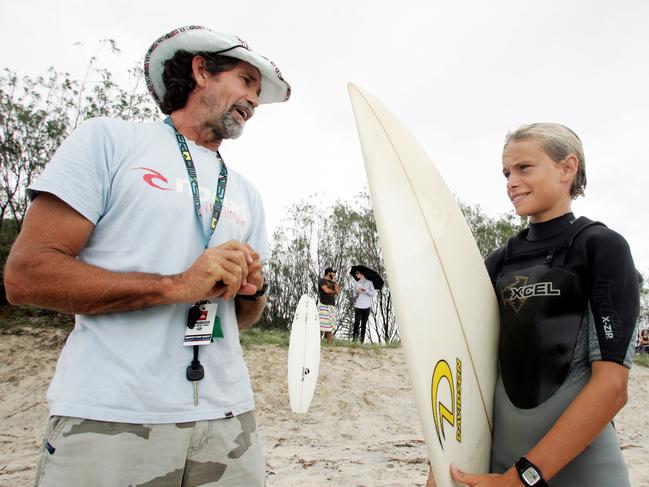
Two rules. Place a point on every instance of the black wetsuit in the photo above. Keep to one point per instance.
(568, 296)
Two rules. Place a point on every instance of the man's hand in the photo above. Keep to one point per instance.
(255, 279)
(221, 272)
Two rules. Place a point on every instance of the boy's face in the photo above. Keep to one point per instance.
(537, 186)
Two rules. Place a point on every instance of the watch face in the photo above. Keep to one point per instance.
(531, 476)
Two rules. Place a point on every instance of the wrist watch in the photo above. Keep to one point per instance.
(529, 473)
(258, 294)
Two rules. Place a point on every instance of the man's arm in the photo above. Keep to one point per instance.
(249, 312)
(336, 288)
(327, 290)
(42, 269)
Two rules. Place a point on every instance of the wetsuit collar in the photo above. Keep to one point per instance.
(549, 229)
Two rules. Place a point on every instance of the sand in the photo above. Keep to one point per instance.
(361, 429)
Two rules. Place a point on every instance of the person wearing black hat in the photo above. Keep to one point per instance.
(328, 289)
(143, 232)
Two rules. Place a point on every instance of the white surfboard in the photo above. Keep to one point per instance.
(445, 304)
(303, 355)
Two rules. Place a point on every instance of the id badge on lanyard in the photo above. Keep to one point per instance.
(203, 324)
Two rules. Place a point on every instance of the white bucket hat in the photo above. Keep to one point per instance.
(195, 38)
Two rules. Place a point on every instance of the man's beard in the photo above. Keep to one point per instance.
(232, 128)
(229, 126)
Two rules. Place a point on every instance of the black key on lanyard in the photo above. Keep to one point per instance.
(195, 372)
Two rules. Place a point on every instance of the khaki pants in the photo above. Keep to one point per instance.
(88, 453)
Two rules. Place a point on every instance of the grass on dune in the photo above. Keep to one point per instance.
(13, 318)
(257, 336)
(641, 359)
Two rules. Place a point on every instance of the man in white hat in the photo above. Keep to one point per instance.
(155, 244)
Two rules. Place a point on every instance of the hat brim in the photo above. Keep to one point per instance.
(195, 38)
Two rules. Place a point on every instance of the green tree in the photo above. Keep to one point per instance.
(357, 242)
(33, 123)
(489, 232)
(290, 272)
(643, 318)
(37, 113)
(312, 238)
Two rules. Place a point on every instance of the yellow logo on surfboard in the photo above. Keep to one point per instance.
(450, 411)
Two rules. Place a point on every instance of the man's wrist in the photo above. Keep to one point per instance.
(253, 297)
(172, 289)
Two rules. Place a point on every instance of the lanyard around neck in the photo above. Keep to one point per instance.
(193, 183)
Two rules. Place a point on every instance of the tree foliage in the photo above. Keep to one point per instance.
(312, 237)
(643, 319)
(37, 113)
(489, 232)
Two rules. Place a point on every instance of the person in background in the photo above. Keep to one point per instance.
(125, 231)
(363, 292)
(328, 289)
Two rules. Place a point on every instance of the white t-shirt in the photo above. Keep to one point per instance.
(363, 299)
(129, 180)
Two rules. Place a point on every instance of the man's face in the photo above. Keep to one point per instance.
(331, 275)
(230, 99)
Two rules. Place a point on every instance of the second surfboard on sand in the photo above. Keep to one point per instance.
(303, 355)
(445, 304)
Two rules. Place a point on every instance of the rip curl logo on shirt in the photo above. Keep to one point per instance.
(154, 179)
(518, 292)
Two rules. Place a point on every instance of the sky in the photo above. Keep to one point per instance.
(458, 74)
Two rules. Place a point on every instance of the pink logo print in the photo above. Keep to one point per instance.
(203, 316)
(152, 176)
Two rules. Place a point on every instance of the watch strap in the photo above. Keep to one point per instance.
(529, 473)
(253, 297)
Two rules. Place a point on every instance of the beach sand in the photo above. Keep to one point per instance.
(361, 429)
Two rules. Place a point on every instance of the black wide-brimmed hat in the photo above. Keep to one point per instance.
(370, 274)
